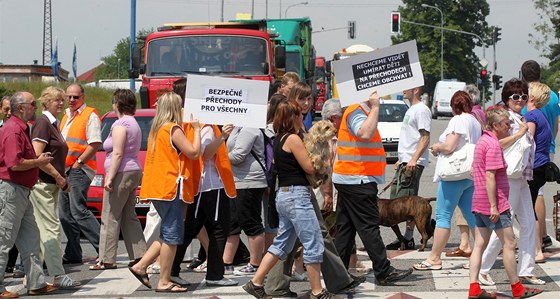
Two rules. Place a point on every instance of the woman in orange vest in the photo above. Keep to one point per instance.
(164, 183)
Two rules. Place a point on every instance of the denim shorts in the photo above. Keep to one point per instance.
(484, 221)
(297, 220)
(172, 215)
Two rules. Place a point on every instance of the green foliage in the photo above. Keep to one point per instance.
(96, 97)
(549, 44)
(116, 65)
(459, 59)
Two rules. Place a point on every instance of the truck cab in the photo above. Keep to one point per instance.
(216, 49)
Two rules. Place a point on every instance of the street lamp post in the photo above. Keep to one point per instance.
(118, 68)
(441, 50)
(290, 6)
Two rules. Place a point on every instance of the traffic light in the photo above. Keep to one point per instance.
(395, 22)
(483, 74)
(351, 29)
(496, 34)
(497, 79)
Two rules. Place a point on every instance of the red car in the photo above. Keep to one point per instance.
(144, 118)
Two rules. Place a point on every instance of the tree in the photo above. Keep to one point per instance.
(116, 65)
(459, 59)
(549, 44)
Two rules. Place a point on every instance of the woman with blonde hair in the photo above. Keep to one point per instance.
(166, 171)
(46, 138)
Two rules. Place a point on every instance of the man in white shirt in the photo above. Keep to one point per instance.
(413, 156)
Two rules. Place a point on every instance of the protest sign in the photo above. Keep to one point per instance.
(388, 70)
(220, 101)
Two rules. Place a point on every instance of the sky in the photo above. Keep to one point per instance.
(97, 25)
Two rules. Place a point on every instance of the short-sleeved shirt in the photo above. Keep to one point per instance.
(15, 147)
(418, 117)
(132, 144)
(93, 133)
(45, 130)
(465, 125)
(542, 136)
(551, 111)
(354, 123)
(488, 156)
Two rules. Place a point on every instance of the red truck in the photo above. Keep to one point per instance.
(230, 49)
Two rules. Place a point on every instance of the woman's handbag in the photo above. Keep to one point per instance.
(457, 166)
(517, 155)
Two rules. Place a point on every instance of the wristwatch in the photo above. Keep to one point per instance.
(80, 161)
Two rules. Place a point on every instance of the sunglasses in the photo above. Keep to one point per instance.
(73, 97)
(34, 103)
(519, 97)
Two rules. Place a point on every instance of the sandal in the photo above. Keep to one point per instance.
(172, 288)
(8, 294)
(484, 295)
(532, 280)
(425, 266)
(103, 266)
(143, 278)
(529, 292)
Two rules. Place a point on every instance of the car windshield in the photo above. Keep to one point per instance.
(392, 112)
(145, 123)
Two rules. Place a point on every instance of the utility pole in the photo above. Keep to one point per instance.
(132, 42)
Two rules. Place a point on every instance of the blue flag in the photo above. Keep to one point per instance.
(75, 62)
(54, 61)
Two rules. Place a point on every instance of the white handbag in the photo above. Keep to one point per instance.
(517, 156)
(457, 165)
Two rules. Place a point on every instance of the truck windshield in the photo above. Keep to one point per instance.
(293, 62)
(209, 54)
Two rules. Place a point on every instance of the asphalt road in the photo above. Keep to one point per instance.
(452, 282)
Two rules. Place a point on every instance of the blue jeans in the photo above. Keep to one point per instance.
(297, 220)
(450, 195)
(75, 216)
(172, 215)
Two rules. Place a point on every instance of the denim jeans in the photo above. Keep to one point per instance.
(297, 220)
(75, 216)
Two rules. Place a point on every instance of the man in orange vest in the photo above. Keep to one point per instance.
(81, 128)
(359, 167)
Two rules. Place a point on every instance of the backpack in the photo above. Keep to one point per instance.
(268, 166)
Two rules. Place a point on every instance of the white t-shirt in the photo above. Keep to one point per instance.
(417, 117)
(465, 125)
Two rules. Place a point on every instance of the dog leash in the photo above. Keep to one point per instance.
(388, 185)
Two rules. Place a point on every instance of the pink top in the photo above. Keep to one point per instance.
(132, 145)
(488, 155)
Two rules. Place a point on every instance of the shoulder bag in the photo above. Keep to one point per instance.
(517, 155)
(457, 165)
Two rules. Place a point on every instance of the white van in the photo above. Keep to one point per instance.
(442, 97)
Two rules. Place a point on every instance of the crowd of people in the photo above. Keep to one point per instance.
(212, 183)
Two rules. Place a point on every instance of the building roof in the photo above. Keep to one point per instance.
(89, 75)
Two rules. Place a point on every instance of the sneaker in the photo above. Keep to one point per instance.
(546, 242)
(299, 277)
(228, 270)
(257, 291)
(65, 282)
(324, 295)
(396, 245)
(394, 275)
(201, 268)
(195, 263)
(180, 281)
(18, 273)
(153, 269)
(247, 270)
(221, 283)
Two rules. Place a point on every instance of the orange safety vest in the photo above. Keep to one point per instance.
(357, 157)
(165, 169)
(76, 138)
(223, 165)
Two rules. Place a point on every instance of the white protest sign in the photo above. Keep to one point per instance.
(389, 70)
(220, 101)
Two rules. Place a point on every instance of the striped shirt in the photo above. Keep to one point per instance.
(488, 156)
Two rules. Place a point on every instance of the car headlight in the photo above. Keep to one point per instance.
(97, 181)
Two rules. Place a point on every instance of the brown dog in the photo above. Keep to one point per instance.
(397, 210)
